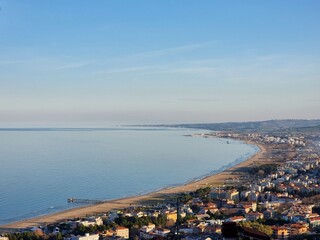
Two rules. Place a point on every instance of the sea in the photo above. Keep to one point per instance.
(41, 168)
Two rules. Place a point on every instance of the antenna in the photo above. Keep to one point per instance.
(178, 216)
(176, 235)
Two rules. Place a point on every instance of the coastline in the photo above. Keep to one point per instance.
(214, 179)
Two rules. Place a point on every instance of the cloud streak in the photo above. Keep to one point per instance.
(175, 50)
(198, 100)
(73, 65)
(167, 51)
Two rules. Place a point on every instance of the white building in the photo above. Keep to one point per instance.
(122, 232)
(87, 236)
(148, 228)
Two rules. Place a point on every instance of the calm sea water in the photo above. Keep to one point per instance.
(40, 169)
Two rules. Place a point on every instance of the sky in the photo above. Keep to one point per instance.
(94, 63)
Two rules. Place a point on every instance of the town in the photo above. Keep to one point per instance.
(278, 199)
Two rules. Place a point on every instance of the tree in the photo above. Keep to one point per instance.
(184, 198)
(212, 216)
(202, 192)
(257, 226)
(195, 208)
(188, 217)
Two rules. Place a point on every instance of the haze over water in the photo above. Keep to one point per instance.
(41, 169)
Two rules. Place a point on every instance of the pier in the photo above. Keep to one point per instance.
(79, 200)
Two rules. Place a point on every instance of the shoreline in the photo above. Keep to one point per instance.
(212, 179)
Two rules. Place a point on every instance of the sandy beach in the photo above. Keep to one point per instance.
(233, 172)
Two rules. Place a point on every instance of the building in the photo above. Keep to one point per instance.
(87, 236)
(269, 213)
(254, 216)
(91, 221)
(171, 218)
(161, 232)
(236, 219)
(297, 228)
(148, 228)
(233, 195)
(280, 232)
(314, 221)
(122, 232)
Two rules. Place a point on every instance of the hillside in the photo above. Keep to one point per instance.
(270, 126)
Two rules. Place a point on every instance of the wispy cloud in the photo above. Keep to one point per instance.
(175, 50)
(270, 57)
(73, 65)
(159, 69)
(166, 51)
(128, 70)
(190, 70)
(198, 100)
(10, 62)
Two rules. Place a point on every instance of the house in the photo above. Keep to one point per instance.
(171, 217)
(186, 230)
(230, 211)
(213, 229)
(140, 214)
(147, 236)
(218, 194)
(280, 232)
(201, 226)
(87, 236)
(245, 194)
(202, 216)
(236, 219)
(254, 216)
(314, 221)
(245, 208)
(251, 205)
(161, 232)
(269, 213)
(108, 233)
(204, 210)
(297, 228)
(112, 216)
(148, 228)
(233, 195)
(253, 196)
(122, 232)
(91, 221)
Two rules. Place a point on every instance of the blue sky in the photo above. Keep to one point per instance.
(92, 63)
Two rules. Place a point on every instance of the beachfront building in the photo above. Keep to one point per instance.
(122, 232)
(223, 194)
(87, 236)
(91, 221)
